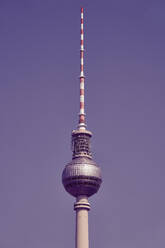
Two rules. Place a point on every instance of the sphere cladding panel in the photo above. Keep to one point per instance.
(81, 176)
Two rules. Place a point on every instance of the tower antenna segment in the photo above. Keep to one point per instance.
(82, 124)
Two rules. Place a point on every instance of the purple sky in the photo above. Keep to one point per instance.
(39, 104)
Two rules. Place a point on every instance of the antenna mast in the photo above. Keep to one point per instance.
(82, 124)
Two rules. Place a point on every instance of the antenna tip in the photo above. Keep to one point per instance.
(82, 9)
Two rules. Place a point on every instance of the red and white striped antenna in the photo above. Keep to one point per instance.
(82, 124)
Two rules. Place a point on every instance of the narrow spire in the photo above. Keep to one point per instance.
(82, 124)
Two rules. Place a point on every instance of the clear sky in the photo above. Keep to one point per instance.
(39, 105)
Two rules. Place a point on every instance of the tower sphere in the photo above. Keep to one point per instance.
(82, 176)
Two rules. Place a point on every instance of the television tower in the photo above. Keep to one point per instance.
(82, 176)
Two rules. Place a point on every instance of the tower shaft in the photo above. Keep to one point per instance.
(82, 207)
